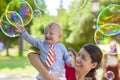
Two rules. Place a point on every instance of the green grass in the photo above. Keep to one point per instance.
(16, 66)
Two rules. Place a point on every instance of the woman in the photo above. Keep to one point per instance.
(87, 62)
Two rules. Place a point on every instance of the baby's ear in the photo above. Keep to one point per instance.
(60, 36)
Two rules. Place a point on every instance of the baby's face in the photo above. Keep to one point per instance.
(52, 35)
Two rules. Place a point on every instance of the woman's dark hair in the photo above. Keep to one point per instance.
(96, 56)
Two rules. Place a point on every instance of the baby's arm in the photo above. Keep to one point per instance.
(20, 28)
(34, 42)
(67, 57)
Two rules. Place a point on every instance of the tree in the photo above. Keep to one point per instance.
(8, 41)
(77, 25)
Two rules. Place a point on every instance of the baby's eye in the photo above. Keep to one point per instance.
(45, 32)
(51, 33)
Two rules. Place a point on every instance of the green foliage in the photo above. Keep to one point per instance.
(104, 3)
(3, 4)
(76, 26)
(34, 7)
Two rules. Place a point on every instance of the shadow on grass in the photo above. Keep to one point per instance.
(13, 62)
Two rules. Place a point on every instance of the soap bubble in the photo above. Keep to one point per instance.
(7, 28)
(40, 4)
(21, 7)
(109, 75)
(109, 29)
(110, 14)
(36, 13)
(13, 18)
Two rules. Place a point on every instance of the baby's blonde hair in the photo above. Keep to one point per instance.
(56, 25)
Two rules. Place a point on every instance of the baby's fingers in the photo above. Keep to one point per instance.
(19, 28)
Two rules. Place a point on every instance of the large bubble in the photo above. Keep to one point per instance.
(109, 29)
(109, 75)
(22, 8)
(110, 14)
(36, 13)
(103, 41)
(40, 4)
(7, 28)
(79, 4)
(13, 18)
(100, 38)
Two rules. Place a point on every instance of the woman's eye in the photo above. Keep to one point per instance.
(83, 57)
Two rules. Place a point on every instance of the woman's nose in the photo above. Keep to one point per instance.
(78, 58)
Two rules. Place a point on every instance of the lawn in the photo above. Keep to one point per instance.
(15, 66)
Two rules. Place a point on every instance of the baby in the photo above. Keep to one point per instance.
(50, 46)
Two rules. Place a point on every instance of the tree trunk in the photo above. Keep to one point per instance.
(7, 48)
(20, 43)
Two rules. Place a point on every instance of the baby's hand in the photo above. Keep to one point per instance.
(71, 64)
(19, 28)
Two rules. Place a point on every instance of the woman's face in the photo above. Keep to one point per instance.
(83, 62)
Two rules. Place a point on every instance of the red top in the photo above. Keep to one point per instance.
(70, 73)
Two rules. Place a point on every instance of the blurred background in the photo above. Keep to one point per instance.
(82, 21)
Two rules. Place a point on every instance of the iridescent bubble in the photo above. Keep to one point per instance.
(109, 29)
(13, 18)
(118, 37)
(7, 28)
(80, 4)
(40, 4)
(23, 8)
(100, 38)
(110, 14)
(36, 13)
(109, 75)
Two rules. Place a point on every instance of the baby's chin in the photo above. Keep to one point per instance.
(49, 42)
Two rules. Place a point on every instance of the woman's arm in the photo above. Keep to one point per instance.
(37, 63)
